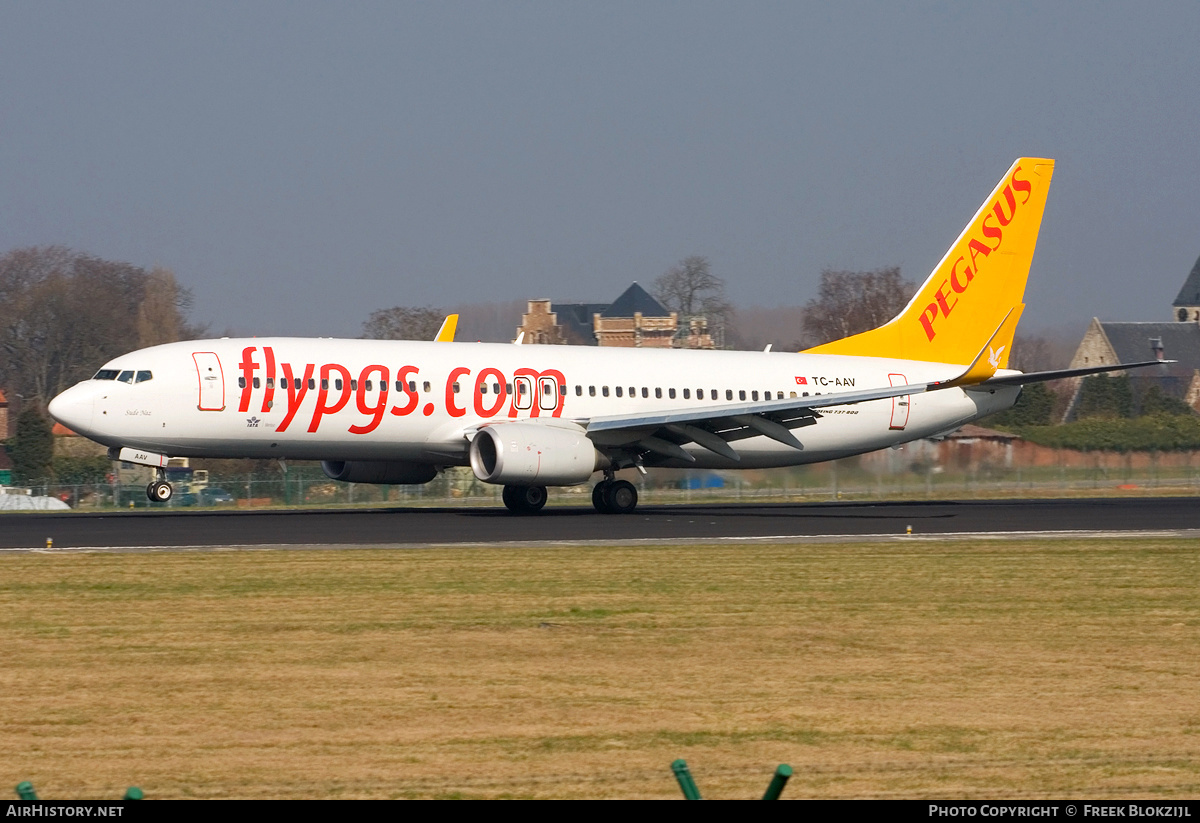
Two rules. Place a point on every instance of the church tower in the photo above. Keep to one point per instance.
(1187, 305)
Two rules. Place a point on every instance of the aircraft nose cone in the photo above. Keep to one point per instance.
(73, 408)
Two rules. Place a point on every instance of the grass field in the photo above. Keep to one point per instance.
(908, 669)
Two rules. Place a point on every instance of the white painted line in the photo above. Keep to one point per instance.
(1081, 534)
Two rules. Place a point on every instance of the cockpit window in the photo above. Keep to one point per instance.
(125, 377)
(143, 376)
(106, 374)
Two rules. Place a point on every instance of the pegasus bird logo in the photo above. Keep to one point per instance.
(994, 356)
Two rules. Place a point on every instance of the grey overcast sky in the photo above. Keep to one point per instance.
(300, 164)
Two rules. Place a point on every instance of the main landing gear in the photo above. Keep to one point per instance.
(609, 497)
(614, 496)
(160, 490)
(524, 499)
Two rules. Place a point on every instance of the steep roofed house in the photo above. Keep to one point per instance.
(1128, 342)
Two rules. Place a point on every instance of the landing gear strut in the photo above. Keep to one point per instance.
(160, 490)
(614, 496)
(524, 499)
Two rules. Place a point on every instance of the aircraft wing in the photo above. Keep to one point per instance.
(714, 427)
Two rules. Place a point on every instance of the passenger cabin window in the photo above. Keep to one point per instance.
(645, 392)
(687, 394)
(337, 383)
(658, 392)
(312, 383)
(412, 385)
(296, 383)
(579, 391)
(241, 382)
(144, 376)
(729, 394)
(270, 381)
(619, 390)
(425, 385)
(353, 385)
(106, 374)
(257, 383)
(741, 394)
(671, 393)
(604, 390)
(713, 394)
(591, 391)
(125, 377)
(456, 388)
(753, 395)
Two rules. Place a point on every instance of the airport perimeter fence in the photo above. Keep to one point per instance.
(850, 479)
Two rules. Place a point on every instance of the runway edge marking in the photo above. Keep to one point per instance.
(673, 541)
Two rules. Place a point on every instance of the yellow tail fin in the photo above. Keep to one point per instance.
(979, 282)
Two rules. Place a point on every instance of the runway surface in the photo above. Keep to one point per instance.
(447, 526)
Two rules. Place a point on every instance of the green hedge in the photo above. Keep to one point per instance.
(1153, 432)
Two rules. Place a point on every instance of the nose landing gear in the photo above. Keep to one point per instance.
(159, 491)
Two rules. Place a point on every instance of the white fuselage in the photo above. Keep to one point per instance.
(326, 399)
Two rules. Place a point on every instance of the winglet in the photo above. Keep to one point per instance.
(994, 354)
(446, 332)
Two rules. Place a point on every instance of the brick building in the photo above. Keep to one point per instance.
(633, 320)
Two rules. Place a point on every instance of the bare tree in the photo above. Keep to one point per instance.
(692, 290)
(65, 313)
(404, 323)
(850, 302)
(161, 312)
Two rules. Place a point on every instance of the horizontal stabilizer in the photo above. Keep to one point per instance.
(1059, 374)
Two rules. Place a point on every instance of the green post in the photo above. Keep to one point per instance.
(25, 791)
(690, 792)
(778, 782)
(133, 793)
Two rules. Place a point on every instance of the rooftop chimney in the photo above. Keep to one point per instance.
(1156, 346)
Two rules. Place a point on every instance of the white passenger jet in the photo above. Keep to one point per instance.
(529, 416)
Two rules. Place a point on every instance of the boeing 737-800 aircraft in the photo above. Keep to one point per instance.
(527, 416)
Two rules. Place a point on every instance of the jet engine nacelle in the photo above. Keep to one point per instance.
(529, 454)
(371, 471)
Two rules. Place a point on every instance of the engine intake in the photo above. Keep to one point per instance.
(527, 454)
(371, 471)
